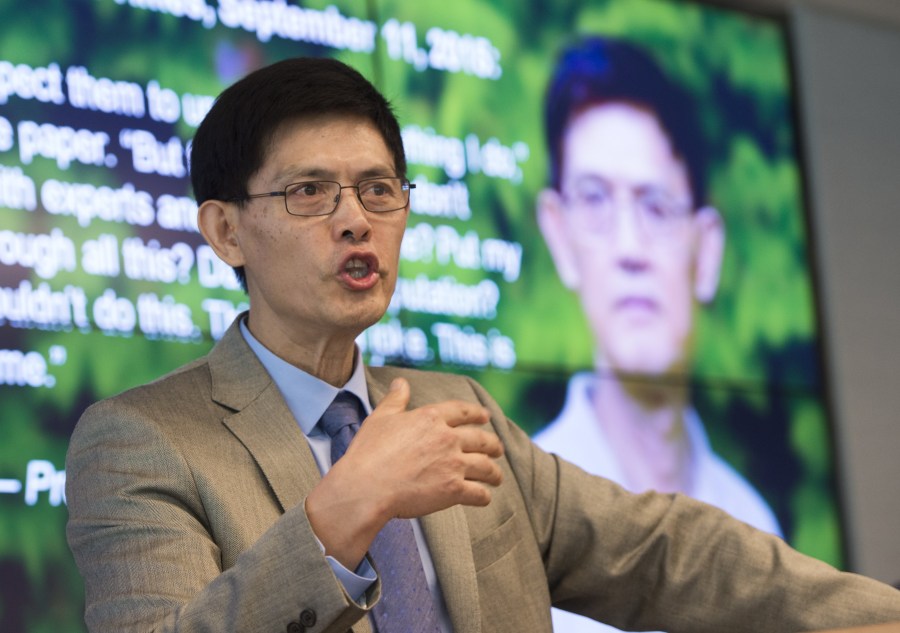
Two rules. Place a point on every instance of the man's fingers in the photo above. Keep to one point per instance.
(475, 440)
(474, 494)
(483, 469)
(460, 413)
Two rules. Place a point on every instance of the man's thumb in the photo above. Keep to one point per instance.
(396, 400)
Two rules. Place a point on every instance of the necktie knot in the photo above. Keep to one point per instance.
(341, 421)
(343, 412)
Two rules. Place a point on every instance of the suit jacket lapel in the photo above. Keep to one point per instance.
(261, 420)
(447, 535)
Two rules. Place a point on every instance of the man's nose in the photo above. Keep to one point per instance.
(351, 220)
(630, 241)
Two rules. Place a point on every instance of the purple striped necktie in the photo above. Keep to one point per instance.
(406, 605)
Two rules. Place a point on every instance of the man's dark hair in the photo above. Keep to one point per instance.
(595, 71)
(232, 142)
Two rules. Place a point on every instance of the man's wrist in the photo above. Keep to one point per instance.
(345, 524)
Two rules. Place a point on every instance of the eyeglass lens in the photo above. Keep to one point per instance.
(321, 197)
(596, 203)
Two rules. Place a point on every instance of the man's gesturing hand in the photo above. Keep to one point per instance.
(426, 459)
(403, 464)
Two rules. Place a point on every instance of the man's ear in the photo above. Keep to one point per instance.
(710, 251)
(552, 222)
(218, 222)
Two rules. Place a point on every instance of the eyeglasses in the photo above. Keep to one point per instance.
(594, 202)
(321, 197)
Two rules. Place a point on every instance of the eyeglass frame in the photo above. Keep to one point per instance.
(683, 210)
(405, 185)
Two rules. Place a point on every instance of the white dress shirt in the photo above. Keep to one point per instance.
(577, 437)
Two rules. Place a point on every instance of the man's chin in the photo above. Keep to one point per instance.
(645, 366)
(362, 316)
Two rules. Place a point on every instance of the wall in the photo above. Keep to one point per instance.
(848, 70)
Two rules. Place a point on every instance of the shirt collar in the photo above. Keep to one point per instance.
(306, 396)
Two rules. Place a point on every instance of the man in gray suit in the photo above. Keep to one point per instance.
(220, 498)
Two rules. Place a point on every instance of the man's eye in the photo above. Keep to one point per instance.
(594, 196)
(655, 209)
(376, 189)
(658, 207)
(305, 190)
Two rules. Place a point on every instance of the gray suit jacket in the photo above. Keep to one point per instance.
(186, 514)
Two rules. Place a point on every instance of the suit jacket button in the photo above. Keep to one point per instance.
(295, 627)
(308, 617)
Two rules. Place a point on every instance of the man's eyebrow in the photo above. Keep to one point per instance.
(299, 174)
(587, 177)
(376, 172)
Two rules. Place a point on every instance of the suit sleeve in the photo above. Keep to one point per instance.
(669, 562)
(144, 544)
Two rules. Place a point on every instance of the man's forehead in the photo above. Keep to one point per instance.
(618, 141)
(287, 160)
